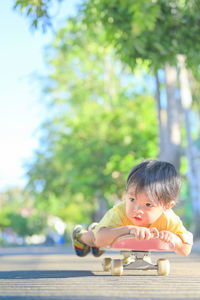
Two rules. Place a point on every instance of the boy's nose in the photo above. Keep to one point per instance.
(137, 209)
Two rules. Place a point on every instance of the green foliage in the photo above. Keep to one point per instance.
(151, 30)
(18, 224)
(4, 218)
(36, 223)
(15, 204)
(37, 10)
(24, 226)
(99, 126)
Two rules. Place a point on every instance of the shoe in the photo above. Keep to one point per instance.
(80, 248)
(94, 250)
(92, 226)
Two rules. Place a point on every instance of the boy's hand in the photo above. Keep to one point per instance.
(166, 236)
(143, 233)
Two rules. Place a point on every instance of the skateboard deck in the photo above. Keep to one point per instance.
(137, 255)
(128, 242)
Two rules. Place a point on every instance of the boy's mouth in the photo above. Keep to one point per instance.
(137, 218)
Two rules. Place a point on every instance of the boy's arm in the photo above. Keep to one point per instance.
(106, 235)
(183, 249)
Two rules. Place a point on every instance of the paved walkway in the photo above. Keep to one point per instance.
(56, 273)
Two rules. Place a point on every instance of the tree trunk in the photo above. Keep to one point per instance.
(162, 121)
(172, 151)
(101, 207)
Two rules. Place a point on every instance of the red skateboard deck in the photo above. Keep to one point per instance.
(129, 243)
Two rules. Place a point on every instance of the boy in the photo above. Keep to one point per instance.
(151, 191)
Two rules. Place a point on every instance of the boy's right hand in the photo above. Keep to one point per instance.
(143, 233)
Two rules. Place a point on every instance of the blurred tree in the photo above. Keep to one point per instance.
(137, 29)
(152, 30)
(99, 126)
(156, 32)
(191, 151)
(4, 219)
(37, 10)
(18, 213)
(18, 224)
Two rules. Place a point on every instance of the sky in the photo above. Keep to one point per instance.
(22, 108)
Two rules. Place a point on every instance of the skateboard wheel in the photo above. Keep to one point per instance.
(117, 267)
(163, 267)
(106, 264)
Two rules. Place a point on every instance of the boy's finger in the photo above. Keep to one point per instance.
(136, 234)
(148, 235)
(132, 232)
(161, 235)
(154, 232)
(141, 235)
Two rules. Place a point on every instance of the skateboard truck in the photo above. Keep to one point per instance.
(137, 261)
(137, 256)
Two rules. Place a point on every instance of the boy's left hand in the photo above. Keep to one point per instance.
(166, 236)
(179, 246)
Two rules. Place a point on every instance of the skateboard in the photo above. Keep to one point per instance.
(137, 255)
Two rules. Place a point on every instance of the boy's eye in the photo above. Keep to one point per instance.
(149, 205)
(132, 199)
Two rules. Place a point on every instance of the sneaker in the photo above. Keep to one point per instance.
(97, 251)
(94, 250)
(80, 248)
(92, 226)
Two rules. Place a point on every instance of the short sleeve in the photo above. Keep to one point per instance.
(110, 219)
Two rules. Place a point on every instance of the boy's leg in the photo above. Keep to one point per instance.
(83, 240)
(95, 251)
(87, 238)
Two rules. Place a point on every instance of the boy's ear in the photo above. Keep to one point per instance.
(170, 205)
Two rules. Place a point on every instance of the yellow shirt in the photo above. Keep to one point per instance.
(116, 217)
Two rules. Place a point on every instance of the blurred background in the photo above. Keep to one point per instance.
(89, 88)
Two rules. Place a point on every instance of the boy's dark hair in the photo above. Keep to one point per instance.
(159, 179)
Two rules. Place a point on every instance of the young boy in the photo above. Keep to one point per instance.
(151, 191)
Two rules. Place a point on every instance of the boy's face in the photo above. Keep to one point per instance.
(140, 210)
